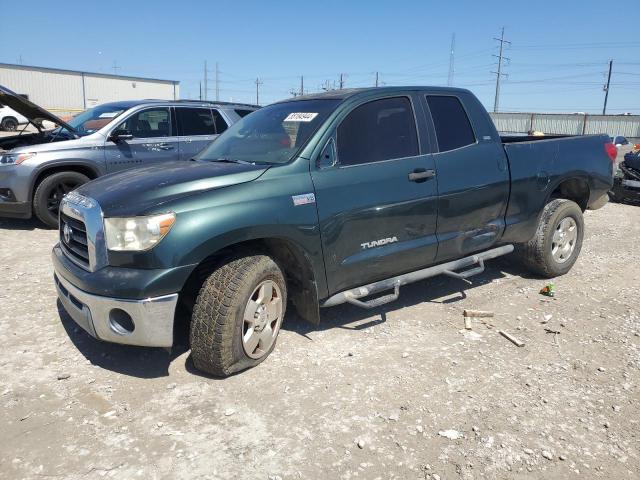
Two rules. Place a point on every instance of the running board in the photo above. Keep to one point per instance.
(355, 295)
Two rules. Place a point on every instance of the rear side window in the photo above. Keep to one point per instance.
(221, 124)
(453, 129)
(242, 113)
(195, 121)
(379, 130)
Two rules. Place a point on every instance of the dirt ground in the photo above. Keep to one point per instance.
(399, 392)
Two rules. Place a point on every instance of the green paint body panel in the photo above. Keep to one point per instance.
(480, 197)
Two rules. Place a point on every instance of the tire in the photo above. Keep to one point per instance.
(219, 325)
(538, 253)
(9, 124)
(50, 191)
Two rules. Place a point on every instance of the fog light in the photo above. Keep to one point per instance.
(7, 194)
(121, 322)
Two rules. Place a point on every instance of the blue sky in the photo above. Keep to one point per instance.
(559, 50)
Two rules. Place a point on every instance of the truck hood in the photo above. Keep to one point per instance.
(34, 113)
(136, 192)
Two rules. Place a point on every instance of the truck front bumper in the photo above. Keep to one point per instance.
(145, 322)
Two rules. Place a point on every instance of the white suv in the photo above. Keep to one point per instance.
(10, 119)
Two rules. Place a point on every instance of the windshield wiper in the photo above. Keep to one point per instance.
(235, 160)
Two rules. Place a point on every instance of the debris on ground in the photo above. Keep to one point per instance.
(511, 338)
(549, 290)
(450, 434)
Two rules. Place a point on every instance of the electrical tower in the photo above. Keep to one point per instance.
(451, 60)
(258, 83)
(501, 58)
(217, 83)
(606, 88)
(205, 80)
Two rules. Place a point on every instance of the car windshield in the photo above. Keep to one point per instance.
(95, 118)
(273, 134)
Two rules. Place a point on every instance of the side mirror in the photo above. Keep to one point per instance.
(120, 134)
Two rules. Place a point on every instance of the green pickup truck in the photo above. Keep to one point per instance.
(340, 197)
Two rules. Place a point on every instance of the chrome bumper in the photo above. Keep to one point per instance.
(151, 319)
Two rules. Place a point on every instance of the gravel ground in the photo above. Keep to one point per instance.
(399, 392)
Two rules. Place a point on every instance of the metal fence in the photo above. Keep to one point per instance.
(569, 124)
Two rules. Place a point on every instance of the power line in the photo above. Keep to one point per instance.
(499, 74)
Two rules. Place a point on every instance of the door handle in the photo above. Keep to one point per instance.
(420, 175)
(165, 146)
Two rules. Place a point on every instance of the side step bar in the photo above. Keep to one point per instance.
(355, 295)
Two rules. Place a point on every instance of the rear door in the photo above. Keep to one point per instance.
(154, 140)
(196, 129)
(473, 178)
(376, 195)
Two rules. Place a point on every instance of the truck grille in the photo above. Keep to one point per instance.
(73, 238)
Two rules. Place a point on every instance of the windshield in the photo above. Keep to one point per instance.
(95, 118)
(273, 134)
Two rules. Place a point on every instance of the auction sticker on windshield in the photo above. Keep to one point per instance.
(300, 117)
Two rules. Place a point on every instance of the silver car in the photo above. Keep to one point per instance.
(37, 169)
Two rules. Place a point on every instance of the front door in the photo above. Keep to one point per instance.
(153, 140)
(376, 196)
(473, 178)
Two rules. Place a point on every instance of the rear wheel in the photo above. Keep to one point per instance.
(46, 200)
(9, 124)
(558, 240)
(237, 315)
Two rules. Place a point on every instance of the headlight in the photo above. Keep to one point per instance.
(15, 158)
(137, 233)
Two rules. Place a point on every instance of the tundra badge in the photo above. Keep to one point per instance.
(378, 243)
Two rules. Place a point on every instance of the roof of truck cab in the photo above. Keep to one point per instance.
(345, 93)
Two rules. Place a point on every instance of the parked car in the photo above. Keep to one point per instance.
(10, 120)
(37, 169)
(626, 182)
(322, 200)
(619, 140)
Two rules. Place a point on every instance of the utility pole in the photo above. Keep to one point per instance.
(200, 90)
(342, 81)
(115, 67)
(376, 79)
(606, 88)
(217, 84)
(205, 80)
(501, 58)
(451, 60)
(258, 83)
(302, 85)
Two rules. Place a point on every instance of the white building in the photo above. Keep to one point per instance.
(67, 92)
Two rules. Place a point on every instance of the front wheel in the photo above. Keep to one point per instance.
(558, 240)
(46, 200)
(9, 124)
(237, 315)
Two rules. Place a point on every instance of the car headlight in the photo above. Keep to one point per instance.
(137, 233)
(15, 158)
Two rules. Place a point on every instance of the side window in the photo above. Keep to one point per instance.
(221, 124)
(242, 112)
(453, 129)
(379, 130)
(150, 123)
(328, 155)
(195, 121)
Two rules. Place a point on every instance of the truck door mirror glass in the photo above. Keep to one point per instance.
(120, 134)
(328, 155)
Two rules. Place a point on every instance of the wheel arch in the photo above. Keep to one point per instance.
(575, 188)
(83, 168)
(292, 259)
